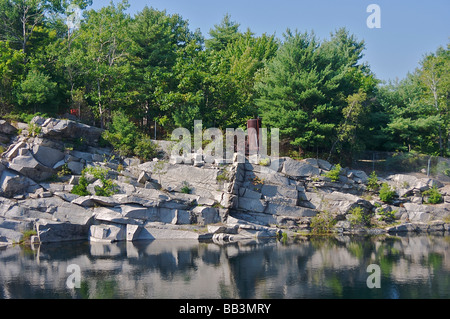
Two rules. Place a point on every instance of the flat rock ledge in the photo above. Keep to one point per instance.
(187, 198)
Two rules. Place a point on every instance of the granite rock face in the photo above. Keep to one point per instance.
(187, 198)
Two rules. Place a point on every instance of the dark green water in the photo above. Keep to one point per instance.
(410, 267)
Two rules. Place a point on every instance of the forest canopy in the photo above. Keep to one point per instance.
(158, 72)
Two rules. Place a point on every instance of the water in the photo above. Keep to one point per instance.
(331, 267)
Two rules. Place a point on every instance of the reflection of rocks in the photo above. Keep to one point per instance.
(329, 267)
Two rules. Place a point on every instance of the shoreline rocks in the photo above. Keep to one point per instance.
(181, 199)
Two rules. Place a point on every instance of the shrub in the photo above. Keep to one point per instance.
(108, 187)
(264, 161)
(34, 129)
(223, 177)
(372, 182)
(64, 171)
(186, 189)
(124, 137)
(358, 218)
(434, 196)
(121, 134)
(387, 216)
(387, 194)
(322, 223)
(145, 149)
(334, 173)
(81, 188)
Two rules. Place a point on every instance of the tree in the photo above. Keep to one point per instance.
(305, 88)
(36, 91)
(20, 19)
(159, 39)
(11, 73)
(223, 34)
(434, 77)
(101, 52)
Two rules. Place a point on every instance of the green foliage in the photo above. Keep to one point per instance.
(433, 195)
(333, 174)
(36, 91)
(372, 182)
(264, 161)
(34, 129)
(81, 188)
(358, 218)
(386, 193)
(186, 189)
(124, 136)
(223, 177)
(121, 134)
(145, 148)
(387, 216)
(319, 93)
(322, 223)
(298, 92)
(64, 171)
(107, 189)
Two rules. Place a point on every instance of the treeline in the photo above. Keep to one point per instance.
(156, 70)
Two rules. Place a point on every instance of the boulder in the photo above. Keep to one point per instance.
(75, 167)
(107, 233)
(112, 215)
(67, 129)
(288, 191)
(133, 232)
(154, 231)
(297, 169)
(7, 128)
(13, 184)
(13, 150)
(288, 210)
(253, 205)
(47, 156)
(54, 231)
(206, 215)
(27, 165)
(10, 236)
(337, 202)
(248, 193)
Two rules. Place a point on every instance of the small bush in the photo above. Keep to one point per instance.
(358, 218)
(121, 134)
(334, 173)
(387, 194)
(145, 148)
(64, 171)
(186, 189)
(223, 177)
(264, 161)
(387, 216)
(107, 189)
(322, 223)
(434, 196)
(34, 129)
(372, 183)
(81, 188)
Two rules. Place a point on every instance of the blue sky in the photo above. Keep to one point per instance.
(409, 28)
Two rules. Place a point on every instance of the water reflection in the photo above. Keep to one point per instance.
(323, 267)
